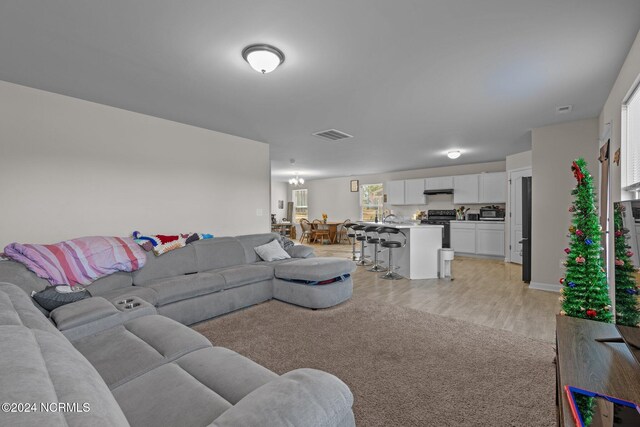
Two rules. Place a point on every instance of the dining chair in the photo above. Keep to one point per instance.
(342, 232)
(307, 230)
(318, 230)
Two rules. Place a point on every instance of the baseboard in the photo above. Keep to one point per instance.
(545, 287)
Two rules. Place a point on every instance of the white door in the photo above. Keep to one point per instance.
(515, 213)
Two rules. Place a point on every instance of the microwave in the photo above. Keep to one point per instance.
(491, 214)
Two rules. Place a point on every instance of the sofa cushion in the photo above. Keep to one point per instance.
(16, 308)
(300, 251)
(169, 396)
(218, 253)
(314, 269)
(119, 280)
(147, 294)
(229, 374)
(245, 274)
(43, 367)
(251, 241)
(271, 251)
(16, 273)
(175, 263)
(174, 289)
(138, 346)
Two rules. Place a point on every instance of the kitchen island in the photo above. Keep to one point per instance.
(417, 260)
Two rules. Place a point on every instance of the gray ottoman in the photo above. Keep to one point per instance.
(296, 282)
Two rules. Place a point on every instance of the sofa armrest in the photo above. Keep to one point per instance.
(304, 397)
(82, 312)
(300, 251)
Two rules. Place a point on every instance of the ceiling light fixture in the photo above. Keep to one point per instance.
(454, 154)
(295, 181)
(262, 57)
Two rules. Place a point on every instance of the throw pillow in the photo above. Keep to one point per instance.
(50, 299)
(272, 251)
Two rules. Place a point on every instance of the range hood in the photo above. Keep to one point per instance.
(442, 191)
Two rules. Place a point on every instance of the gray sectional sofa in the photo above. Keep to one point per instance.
(211, 277)
(113, 355)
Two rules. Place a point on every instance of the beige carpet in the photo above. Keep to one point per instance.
(404, 367)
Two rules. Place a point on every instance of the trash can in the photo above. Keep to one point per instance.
(446, 256)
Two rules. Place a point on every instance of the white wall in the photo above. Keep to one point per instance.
(612, 113)
(279, 191)
(333, 196)
(519, 161)
(553, 149)
(72, 168)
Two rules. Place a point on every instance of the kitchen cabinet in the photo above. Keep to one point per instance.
(463, 237)
(465, 189)
(490, 239)
(478, 237)
(438, 183)
(493, 187)
(395, 192)
(414, 192)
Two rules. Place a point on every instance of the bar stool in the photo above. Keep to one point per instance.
(374, 239)
(362, 238)
(351, 234)
(391, 245)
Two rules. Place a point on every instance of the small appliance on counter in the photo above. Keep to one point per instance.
(473, 217)
(491, 213)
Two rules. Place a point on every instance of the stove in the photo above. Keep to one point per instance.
(441, 217)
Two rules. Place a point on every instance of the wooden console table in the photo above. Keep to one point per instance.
(608, 368)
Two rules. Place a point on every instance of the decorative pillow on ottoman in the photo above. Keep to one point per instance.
(272, 251)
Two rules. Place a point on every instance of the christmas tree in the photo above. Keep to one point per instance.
(585, 290)
(627, 311)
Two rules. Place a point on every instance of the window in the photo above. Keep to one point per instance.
(300, 207)
(631, 140)
(371, 198)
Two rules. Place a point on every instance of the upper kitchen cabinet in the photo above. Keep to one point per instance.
(466, 189)
(395, 192)
(438, 183)
(414, 192)
(493, 187)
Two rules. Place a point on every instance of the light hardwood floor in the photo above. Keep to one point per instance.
(485, 292)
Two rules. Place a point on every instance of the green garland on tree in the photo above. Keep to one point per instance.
(585, 292)
(627, 310)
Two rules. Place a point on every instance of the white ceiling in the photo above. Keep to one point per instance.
(409, 79)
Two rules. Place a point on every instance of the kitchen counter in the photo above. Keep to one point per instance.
(419, 258)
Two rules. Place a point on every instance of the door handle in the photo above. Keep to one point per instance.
(523, 240)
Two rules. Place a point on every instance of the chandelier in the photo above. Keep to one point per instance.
(295, 181)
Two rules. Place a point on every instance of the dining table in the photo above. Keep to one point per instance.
(333, 229)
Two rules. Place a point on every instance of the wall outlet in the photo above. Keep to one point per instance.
(258, 212)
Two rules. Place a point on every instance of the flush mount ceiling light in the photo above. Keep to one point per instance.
(295, 181)
(454, 154)
(262, 57)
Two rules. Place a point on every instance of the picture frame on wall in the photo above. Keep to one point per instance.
(355, 184)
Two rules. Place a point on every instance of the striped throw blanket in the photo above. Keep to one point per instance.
(79, 261)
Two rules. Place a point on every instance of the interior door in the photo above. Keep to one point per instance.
(515, 214)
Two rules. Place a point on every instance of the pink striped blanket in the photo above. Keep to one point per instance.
(79, 261)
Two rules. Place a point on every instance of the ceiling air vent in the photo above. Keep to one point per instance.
(332, 135)
(564, 109)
